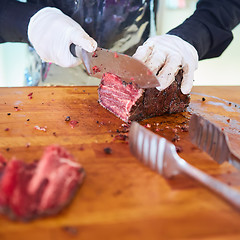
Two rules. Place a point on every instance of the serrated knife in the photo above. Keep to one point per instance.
(127, 68)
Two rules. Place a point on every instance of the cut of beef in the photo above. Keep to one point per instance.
(44, 187)
(131, 103)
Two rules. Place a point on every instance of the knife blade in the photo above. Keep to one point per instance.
(127, 68)
(211, 139)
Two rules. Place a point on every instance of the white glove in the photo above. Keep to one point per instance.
(167, 54)
(51, 33)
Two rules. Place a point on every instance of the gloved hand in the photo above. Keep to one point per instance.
(165, 55)
(51, 33)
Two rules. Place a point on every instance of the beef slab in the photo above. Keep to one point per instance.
(131, 103)
(44, 187)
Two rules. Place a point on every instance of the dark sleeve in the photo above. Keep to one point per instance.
(14, 19)
(209, 29)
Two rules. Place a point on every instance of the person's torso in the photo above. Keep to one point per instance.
(120, 25)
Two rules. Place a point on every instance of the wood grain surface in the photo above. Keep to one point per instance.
(120, 198)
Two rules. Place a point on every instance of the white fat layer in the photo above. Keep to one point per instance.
(69, 162)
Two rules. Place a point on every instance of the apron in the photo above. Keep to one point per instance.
(119, 25)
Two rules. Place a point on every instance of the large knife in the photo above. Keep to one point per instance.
(127, 68)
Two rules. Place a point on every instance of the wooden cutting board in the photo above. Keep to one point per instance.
(120, 198)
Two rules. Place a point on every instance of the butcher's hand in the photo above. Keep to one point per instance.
(165, 55)
(51, 33)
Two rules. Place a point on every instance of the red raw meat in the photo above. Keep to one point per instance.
(131, 103)
(44, 187)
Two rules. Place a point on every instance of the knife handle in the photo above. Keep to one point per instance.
(73, 49)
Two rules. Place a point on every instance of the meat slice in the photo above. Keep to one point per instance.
(131, 103)
(44, 187)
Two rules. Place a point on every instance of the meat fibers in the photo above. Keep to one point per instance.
(131, 103)
(40, 188)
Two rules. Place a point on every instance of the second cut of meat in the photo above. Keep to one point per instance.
(40, 188)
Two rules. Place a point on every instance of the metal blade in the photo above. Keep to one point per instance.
(159, 154)
(127, 68)
(152, 150)
(211, 139)
(235, 163)
(146, 147)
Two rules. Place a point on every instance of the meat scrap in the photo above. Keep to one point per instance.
(44, 129)
(131, 103)
(40, 188)
(73, 123)
(30, 95)
(95, 69)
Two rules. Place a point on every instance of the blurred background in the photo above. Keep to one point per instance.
(21, 66)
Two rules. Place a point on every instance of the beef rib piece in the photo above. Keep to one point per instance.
(40, 188)
(131, 103)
